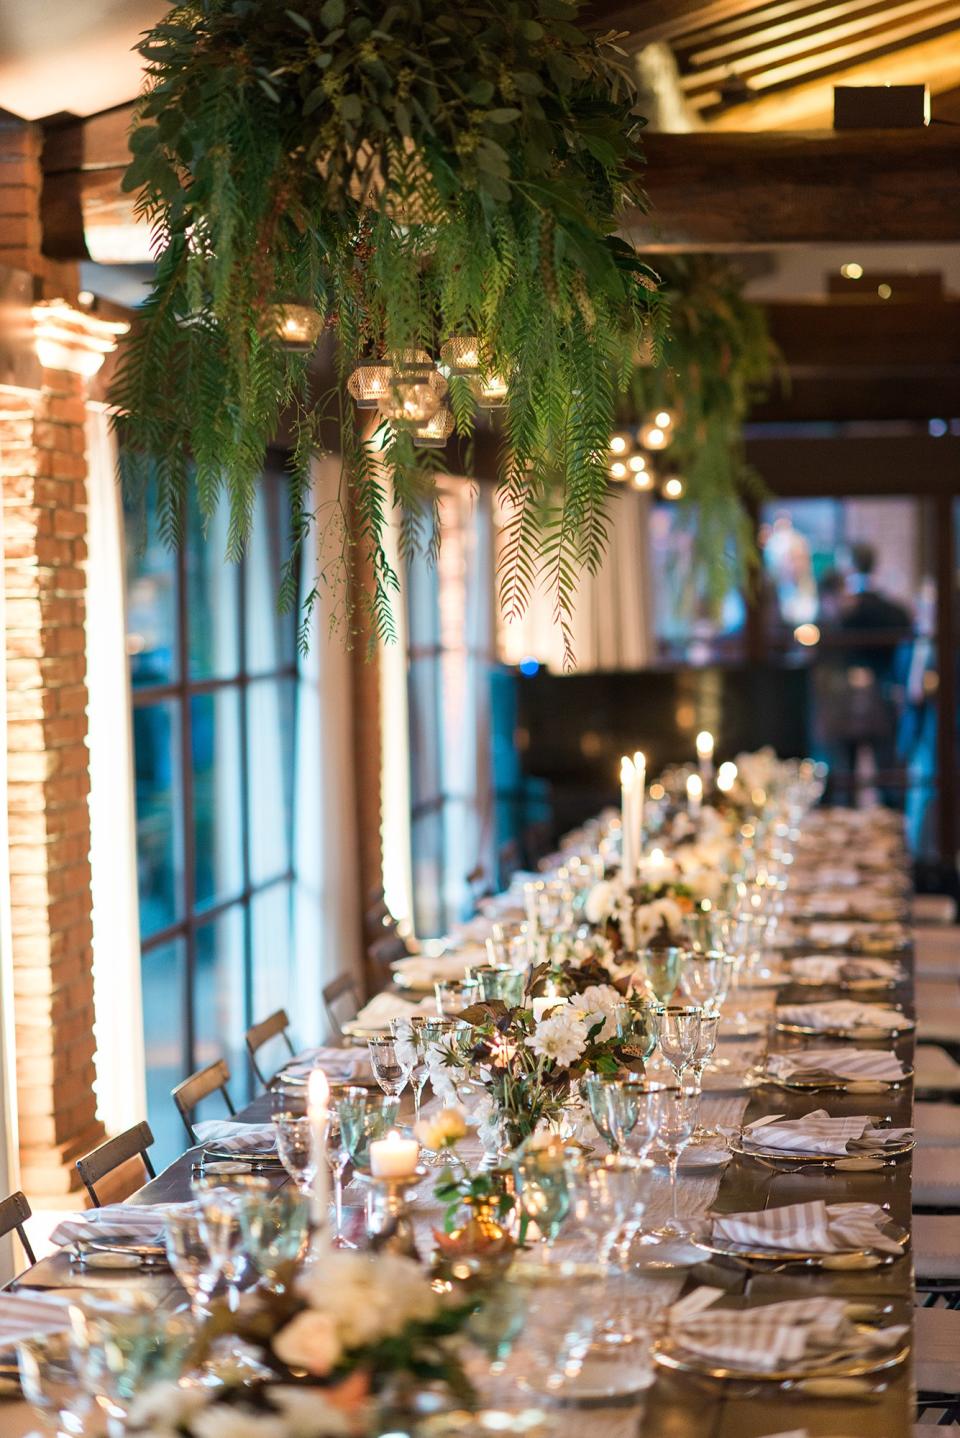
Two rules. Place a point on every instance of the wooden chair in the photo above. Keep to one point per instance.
(382, 953)
(107, 1157)
(341, 999)
(258, 1035)
(200, 1085)
(14, 1212)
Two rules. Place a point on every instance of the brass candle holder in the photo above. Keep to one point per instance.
(389, 1220)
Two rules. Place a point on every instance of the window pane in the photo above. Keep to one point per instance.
(692, 622)
(270, 635)
(213, 598)
(271, 720)
(158, 805)
(151, 604)
(219, 1003)
(162, 975)
(270, 916)
(217, 795)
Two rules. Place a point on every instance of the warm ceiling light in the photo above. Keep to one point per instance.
(807, 635)
(672, 487)
(663, 419)
(435, 433)
(637, 462)
(461, 354)
(654, 436)
(884, 291)
(619, 443)
(852, 271)
(618, 470)
(369, 383)
(296, 326)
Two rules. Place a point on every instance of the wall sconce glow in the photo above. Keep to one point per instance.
(807, 635)
(72, 340)
(726, 776)
(663, 419)
(673, 488)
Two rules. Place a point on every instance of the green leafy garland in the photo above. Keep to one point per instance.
(413, 171)
(716, 359)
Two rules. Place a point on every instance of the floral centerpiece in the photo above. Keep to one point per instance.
(646, 915)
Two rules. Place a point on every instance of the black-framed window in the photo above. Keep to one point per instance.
(214, 679)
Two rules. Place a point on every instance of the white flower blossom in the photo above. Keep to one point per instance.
(309, 1341)
(599, 902)
(599, 1003)
(443, 1129)
(368, 1296)
(226, 1420)
(168, 1405)
(561, 1036)
(308, 1413)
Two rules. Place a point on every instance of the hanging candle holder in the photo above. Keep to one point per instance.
(461, 354)
(437, 430)
(370, 383)
(491, 392)
(297, 326)
(416, 389)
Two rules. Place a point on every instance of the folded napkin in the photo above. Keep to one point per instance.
(26, 1315)
(842, 1062)
(835, 968)
(798, 1332)
(817, 1132)
(384, 1007)
(815, 1227)
(341, 1065)
(139, 1222)
(835, 935)
(423, 973)
(236, 1137)
(843, 1015)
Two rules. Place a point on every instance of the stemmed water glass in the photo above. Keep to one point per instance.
(123, 1348)
(390, 1060)
(50, 1382)
(412, 1054)
(190, 1259)
(337, 1157)
(613, 1107)
(678, 1032)
(615, 1190)
(705, 979)
(295, 1149)
(221, 1227)
(661, 972)
(679, 1116)
(276, 1230)
(455, 995)
(364, 1117)
(544, 1196)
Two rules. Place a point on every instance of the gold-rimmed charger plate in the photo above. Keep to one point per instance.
(728, 1248)
(848, 986)
(863, 1033)
(821, 1083)
(668, 1352)
(863, 1158)
(257, 1158)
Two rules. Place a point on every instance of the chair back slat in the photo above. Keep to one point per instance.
(200, 1085)
(14, 1212)
(107, 1157)
(274, 1026)
(341, 1000)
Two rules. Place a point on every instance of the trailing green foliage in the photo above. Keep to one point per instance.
(716, 359)
(413, 170)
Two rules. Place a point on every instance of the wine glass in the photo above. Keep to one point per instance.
(647, 1096)
(679, 1116)
(618, 1186)
(337, 1157)
(455, 995)
(412, 1055)
(542, 1188)
(295, 1149)
(190, 1259)
(50, 1382)
(660, 969)
(220, 1209)
(275, 1233)
(678, 1031)
(705, 979)
(613, 1107)
(389, 1059)
(124, 1348)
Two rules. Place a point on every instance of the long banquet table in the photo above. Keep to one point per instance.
(680, 1404)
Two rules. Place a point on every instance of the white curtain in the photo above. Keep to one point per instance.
(121, 1082)
(613, 621)
(9, 1164)
(327, 891)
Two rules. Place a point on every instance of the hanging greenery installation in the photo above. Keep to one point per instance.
(439, 189)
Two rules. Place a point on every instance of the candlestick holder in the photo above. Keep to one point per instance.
(389, 1221)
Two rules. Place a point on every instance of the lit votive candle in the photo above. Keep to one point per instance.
(394, 1156)
(542, 1004)
(694, 795)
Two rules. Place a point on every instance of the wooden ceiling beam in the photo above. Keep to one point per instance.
(649, 21)
(760, 19)
(801, 33)
(758, 191)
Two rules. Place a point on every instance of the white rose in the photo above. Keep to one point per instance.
(599, 1003)
(167, 1404)
(670, 914)
(224, 1420)
(309, 1341)
(308, 1414)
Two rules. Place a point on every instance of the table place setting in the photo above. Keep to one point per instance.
(855, 1142)
(816, 1233)
(844, 1067)
(341, 1065)
(375, 1016)
(796, 1339)
(844, 971)
(224, 1141)
(843, 1018)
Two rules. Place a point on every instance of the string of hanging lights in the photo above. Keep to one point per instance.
(631, 454)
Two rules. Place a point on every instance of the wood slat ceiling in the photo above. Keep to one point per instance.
(771, 64)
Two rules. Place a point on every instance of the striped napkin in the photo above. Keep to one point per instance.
(842, 1063)
(814, 1227)
(833, 968)
(841, 1014)
(386, 1006)
(233, 1137)
(341, 1065)
(818, 1132)
(422, 973)
(799, 1331)
(140, 1222)
(25, 1315)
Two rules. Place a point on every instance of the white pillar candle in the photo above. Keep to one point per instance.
(640, 769)
(705, 757)
(628, 852)
(694, 796)
(318, 1112)
(394, 1156)
(541, 1004)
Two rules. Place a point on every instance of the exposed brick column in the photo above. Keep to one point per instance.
(44, 494)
